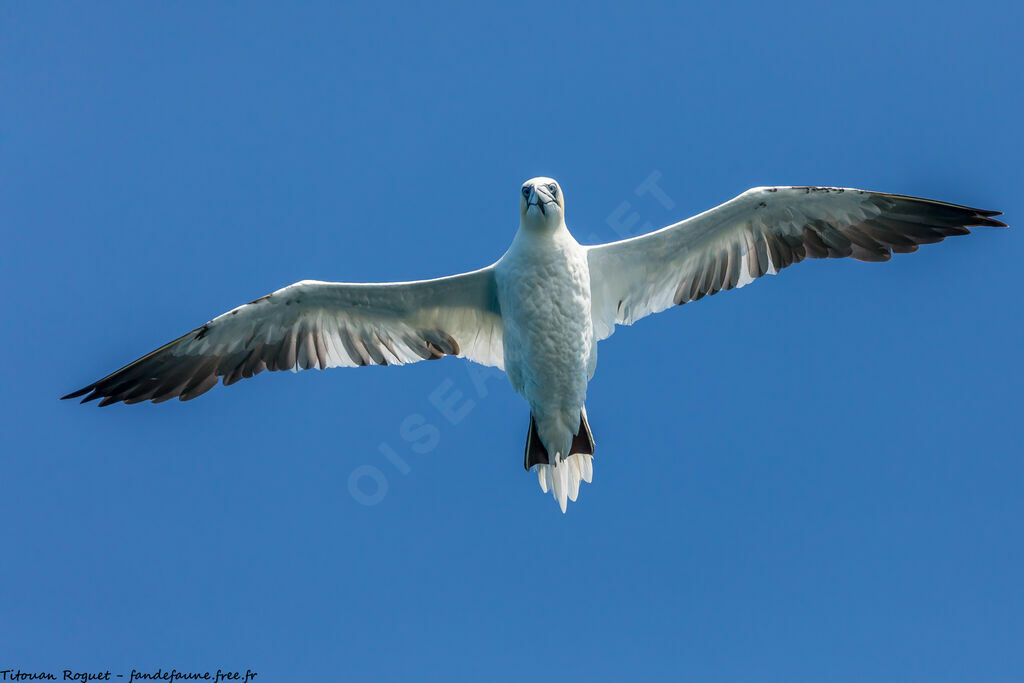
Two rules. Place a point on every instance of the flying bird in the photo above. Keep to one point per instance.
(539, 311)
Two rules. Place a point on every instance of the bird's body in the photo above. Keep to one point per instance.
(550, 349)
(540, 311)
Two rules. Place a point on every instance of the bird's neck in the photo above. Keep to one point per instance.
(535, 231)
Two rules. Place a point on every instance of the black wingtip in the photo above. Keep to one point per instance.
(76, 394)
(988, 218)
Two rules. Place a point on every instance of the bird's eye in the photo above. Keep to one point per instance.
(526, 191)
(554, 189)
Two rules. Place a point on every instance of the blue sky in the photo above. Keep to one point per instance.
(818, 477)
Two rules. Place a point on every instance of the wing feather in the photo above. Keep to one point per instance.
(321, 325)
(762, 231)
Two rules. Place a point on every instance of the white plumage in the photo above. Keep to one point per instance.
(539, 312)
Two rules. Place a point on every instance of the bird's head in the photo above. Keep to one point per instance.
(541, 204)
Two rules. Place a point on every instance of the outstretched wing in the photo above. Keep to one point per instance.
(762, 231)
(319, 324)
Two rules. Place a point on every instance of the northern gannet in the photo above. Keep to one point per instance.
(539, 311)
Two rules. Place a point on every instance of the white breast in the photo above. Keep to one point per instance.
(550, 349)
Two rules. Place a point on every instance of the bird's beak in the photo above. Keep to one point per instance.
(532, 200)
(539, 197)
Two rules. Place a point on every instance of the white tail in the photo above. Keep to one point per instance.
(563, 478)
